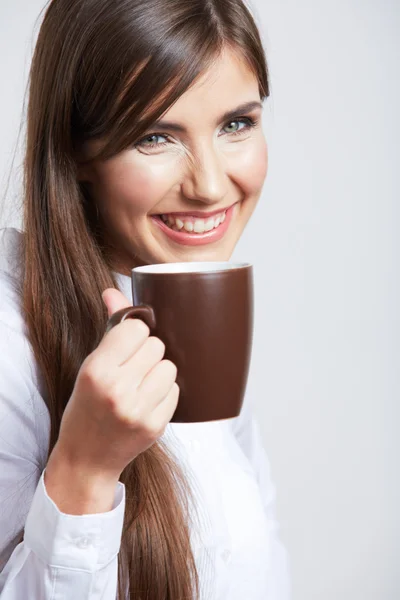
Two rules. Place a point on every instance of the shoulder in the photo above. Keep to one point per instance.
(11, 276)
(11, 251)
(15, 348)
(13, 338)
(21, 393)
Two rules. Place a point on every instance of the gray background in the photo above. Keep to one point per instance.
(325, 368)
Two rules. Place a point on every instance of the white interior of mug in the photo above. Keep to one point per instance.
(190, 267)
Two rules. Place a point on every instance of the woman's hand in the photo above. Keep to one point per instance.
(124, 396)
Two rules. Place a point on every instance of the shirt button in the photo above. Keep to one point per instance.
(84, 542)
(226, 555)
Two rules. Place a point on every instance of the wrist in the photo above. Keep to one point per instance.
(76, 488)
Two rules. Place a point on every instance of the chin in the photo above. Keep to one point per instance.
(200, 254)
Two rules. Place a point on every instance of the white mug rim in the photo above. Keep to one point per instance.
(190, 267)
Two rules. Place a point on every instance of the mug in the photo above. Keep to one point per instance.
(203, 312)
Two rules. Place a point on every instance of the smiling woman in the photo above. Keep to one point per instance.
(144, 145)
(203, 157)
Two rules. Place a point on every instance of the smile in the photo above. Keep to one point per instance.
(193, 224)
(194, 230)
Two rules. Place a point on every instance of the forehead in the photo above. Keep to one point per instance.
(226, 84)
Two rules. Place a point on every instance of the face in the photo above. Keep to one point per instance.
(186, 191)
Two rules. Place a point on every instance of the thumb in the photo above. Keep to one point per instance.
(114, 300)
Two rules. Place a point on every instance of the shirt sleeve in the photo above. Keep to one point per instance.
(61, 556)
(247, 432)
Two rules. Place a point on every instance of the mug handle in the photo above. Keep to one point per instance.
(143, 311)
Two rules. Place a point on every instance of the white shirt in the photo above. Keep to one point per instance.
(238, 553)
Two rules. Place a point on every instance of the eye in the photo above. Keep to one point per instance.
(248, 123)
(151, 142)
(236, 125)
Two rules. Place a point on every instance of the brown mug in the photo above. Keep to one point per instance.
(203, 312)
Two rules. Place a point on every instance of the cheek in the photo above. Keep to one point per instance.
(252, 167)
(129, 184)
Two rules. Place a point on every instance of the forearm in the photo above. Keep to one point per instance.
(76, 490)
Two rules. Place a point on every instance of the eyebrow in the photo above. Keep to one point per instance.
(230, 114)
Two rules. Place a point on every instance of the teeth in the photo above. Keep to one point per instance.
(194, 225)
(198, 226)
(210, 224)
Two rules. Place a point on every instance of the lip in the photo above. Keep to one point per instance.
(196, 239)
(198, 213)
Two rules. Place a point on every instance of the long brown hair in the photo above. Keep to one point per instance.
(107, 70)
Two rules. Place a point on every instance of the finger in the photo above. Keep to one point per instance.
(164, 411)
(122, 342)
(157, 384)
(142, 362)
(114, 300)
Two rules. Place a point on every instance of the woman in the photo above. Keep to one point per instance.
(100, 494)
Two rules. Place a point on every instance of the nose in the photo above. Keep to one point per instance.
(206, 180)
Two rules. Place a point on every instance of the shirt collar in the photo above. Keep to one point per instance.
(125, 284)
